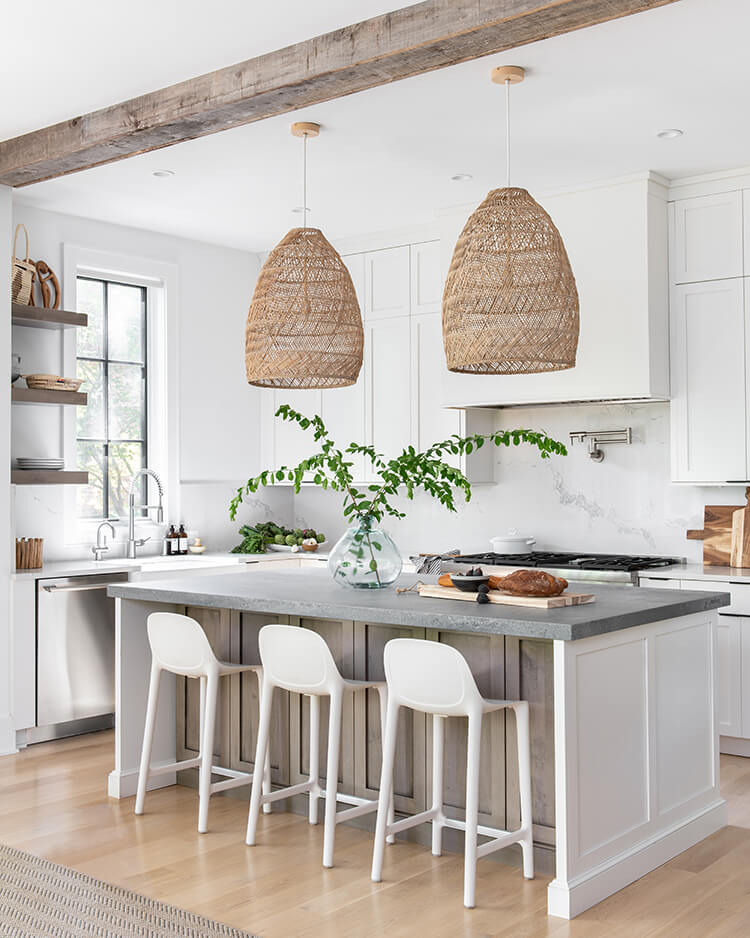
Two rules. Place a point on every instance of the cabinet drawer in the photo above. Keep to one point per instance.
(740, 593)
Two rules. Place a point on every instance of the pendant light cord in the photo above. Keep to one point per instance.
(507, 133)
(304, 181)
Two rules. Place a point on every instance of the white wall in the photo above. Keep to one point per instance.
(625, 504)
(218, 410)
(7, 726)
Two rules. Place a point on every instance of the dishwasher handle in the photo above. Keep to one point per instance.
(53, 588)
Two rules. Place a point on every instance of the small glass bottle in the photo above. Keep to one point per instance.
(183, 540)
(171, 541)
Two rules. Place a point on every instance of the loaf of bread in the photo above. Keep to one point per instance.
(529, 583)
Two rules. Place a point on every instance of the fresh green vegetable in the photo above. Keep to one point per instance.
(257, 537)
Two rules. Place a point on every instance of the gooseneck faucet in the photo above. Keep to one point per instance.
(133, 542)
(101, 540)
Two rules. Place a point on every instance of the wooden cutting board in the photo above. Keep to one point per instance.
(740, 556)
(504, 599)
(716, 534)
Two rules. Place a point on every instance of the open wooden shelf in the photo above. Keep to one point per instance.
(48, 477)
(41, 318)
(35, 396)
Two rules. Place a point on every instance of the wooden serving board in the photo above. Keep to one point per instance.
(505, 599)
(716, 534)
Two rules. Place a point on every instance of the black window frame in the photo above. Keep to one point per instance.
(106, 441)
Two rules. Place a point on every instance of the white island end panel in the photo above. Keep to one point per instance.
(636, 755)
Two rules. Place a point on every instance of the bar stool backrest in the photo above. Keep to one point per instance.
(179, 644)
(431, 677)
(297, 659)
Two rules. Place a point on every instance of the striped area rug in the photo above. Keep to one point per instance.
(41, 899)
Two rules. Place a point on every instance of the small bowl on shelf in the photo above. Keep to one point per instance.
(468, 584)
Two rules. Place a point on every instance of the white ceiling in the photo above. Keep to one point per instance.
(590, 109)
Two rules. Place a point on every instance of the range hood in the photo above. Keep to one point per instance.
(615, 233)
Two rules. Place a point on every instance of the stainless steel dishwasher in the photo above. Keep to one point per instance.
(75, 655)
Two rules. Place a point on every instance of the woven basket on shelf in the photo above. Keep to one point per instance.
(510, 304)
(29, 553)
(22, 273)
(304, 327)
(41, 382)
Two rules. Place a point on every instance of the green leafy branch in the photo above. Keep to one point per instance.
(331, 468)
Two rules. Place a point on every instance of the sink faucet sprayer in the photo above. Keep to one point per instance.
(132, 508)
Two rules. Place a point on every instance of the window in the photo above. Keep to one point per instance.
(111, 432)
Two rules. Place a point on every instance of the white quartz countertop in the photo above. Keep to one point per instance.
(699, 571)
(91, 567)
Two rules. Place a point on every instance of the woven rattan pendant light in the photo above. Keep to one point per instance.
(510, 304)
(304, 327)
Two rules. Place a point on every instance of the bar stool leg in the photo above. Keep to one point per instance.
(386, 789)
(383, 699)
(202, 718)
(472, 808)
(148, 736)
(332, 776)
(438, 746)
(207, 751)
(314, 759)
(524, 785)
(261, 754)
(267, 764)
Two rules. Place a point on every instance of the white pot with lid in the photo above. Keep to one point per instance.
(512, 543)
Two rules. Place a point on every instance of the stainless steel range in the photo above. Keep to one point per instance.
(601, 568)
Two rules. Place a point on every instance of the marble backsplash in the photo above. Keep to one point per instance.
(625, 504)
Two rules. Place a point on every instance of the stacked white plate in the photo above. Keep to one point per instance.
(34, 463)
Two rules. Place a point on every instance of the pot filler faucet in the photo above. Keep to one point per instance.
(133, 543)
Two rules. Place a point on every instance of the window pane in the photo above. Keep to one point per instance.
(126, 404)
(90, 341)
(90, 498)
(90, 419)
(125, 459)
(125, 318)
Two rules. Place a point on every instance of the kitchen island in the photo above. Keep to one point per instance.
(621, 692)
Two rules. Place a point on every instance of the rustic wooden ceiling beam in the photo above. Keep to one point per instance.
(420, 38)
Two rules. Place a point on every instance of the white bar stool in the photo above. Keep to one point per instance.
(436, 679)
(298, 660)
(179, 645)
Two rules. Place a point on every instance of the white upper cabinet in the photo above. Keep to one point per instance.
(343, 409)
(426, 282)
(387, 385)
(387, 283)
(707, 242)
(616, 238)
(283, 442)
(708, 411)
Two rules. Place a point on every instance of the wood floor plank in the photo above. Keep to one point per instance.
(53, 803)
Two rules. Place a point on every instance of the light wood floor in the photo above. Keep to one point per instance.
(53, 804)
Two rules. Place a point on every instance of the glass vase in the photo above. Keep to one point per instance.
(365, 558)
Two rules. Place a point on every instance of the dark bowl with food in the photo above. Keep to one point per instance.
(468, 584)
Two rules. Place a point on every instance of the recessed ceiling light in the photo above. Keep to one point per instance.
(162, 173)
(669, 133)
(462, 177)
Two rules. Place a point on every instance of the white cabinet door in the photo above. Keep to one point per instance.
(431, 422)
(708, 382)
(387, 285)
(343, 409)
(707, 238)
(388, 384)
(426, 282)
(285, 442)
(730, 676)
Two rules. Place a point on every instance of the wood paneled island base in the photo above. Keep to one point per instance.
(624, 735)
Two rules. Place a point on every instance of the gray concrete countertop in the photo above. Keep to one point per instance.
(313, 593)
